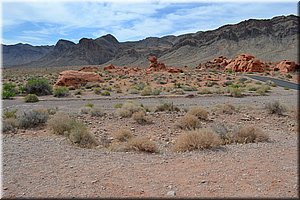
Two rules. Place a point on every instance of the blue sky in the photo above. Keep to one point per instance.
(44, 23)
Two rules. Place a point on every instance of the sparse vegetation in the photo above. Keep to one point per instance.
(141, 144)
(167, 107)
(38, 86)
(275, 108)
(10, 113)
(235, 92)
(140, 117)
(199, 112)
(188, 122)
(8, 90)
(61, 92)
(60, 123)
(128, 108)
(9, 125)
(123, 135)
(33, 118)
(31, 98)
(97, 112)
(197, 139)
(249, 134)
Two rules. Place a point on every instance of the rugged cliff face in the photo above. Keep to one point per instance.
(270, 40)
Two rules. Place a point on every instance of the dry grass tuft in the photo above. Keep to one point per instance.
(123, 135)
(249, 134)
(197, 139)
(60, 123)
(188, 122)
(276, 108)
(141, 144)
(140, 117)
(128, 108)
(199, 112)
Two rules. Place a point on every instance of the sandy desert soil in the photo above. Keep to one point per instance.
(37, 163)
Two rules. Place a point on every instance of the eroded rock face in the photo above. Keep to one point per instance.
(77, 78)
(218, 63)
(109, 67)
(159, 66)
(285, 66)
(246, 63)
(89, 69)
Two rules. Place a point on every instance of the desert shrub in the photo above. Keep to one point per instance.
(275, 108)
(188, 122)
(85, 110)
(8, 90)
(225, 108)
(286, 88)
(52, 111)
(205, 91)
(167, 107)
(139, 86)
(249, 134)
(97, 90)
(105, 93)
(118, 105)
(38, 86)
(147, 91)
(91, 105)
(199, 112)
(289, 76)
(178, 91)
(10, 113)
(78, 92)
(235, 92)
(123, 135)
(140, 117)
(197, 139)
(156, 91)
(189, 88)
(221, 130)
(97, 112)
(258, 83)
(80, 135)
(31, 98)
(263, 89)
(61, 92)
(33, 118)
(141, 144)
(9, 125)
(128, 108)
(60, 123)
(133, 91)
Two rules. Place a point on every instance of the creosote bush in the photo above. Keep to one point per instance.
(33, 118)
(9, 90)
(61, 92)
(197, 139)
(199, 112)
(188, 122)
(275, 108)
(31, 98)
(38, 86)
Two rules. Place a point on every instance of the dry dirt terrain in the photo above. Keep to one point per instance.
(37, 163)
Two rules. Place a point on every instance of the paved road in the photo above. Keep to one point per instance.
(277, 81)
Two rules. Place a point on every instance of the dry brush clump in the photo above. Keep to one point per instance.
(128, 108)
(197, 139)
(188, 122)
(123, 135)
(199, 112)
(76, 131)
(33, 118)
(225, 108)
(141, 144)
(275, 108)
(167, 107)
(140, 117)
(249, 134)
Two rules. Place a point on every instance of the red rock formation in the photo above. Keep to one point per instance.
(159, 66)
(152, 59)
(89, 69)
(218, 63)
(109, 67)
(77, 78)
(246, 63)
(175, 70)
(285, 66)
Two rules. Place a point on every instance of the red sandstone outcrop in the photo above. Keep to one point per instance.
(77, 78)
(285, 66)
(246, 63)
(159, 66)
(109, 67)
(218, 63)
(89, 69)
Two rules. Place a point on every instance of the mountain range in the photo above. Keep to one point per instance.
(270, 40)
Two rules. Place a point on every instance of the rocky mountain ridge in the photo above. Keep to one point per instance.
(269, 40)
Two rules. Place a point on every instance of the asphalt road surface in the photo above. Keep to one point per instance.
(277, 81)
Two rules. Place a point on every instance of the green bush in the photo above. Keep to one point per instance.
(156, 91)
(205, 91)
(147, 91)
(38, 86)
(97, 90)
(61, 92)
(105, 93)
(8, 90)
(31, 98)
(235, 92)
(33, 118)
(10, 114)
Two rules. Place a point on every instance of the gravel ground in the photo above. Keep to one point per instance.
(39, 164)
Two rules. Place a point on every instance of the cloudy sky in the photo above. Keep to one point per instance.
(44, 23)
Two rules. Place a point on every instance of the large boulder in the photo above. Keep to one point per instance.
(285, 66)
(246, 63)
(77, 78)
